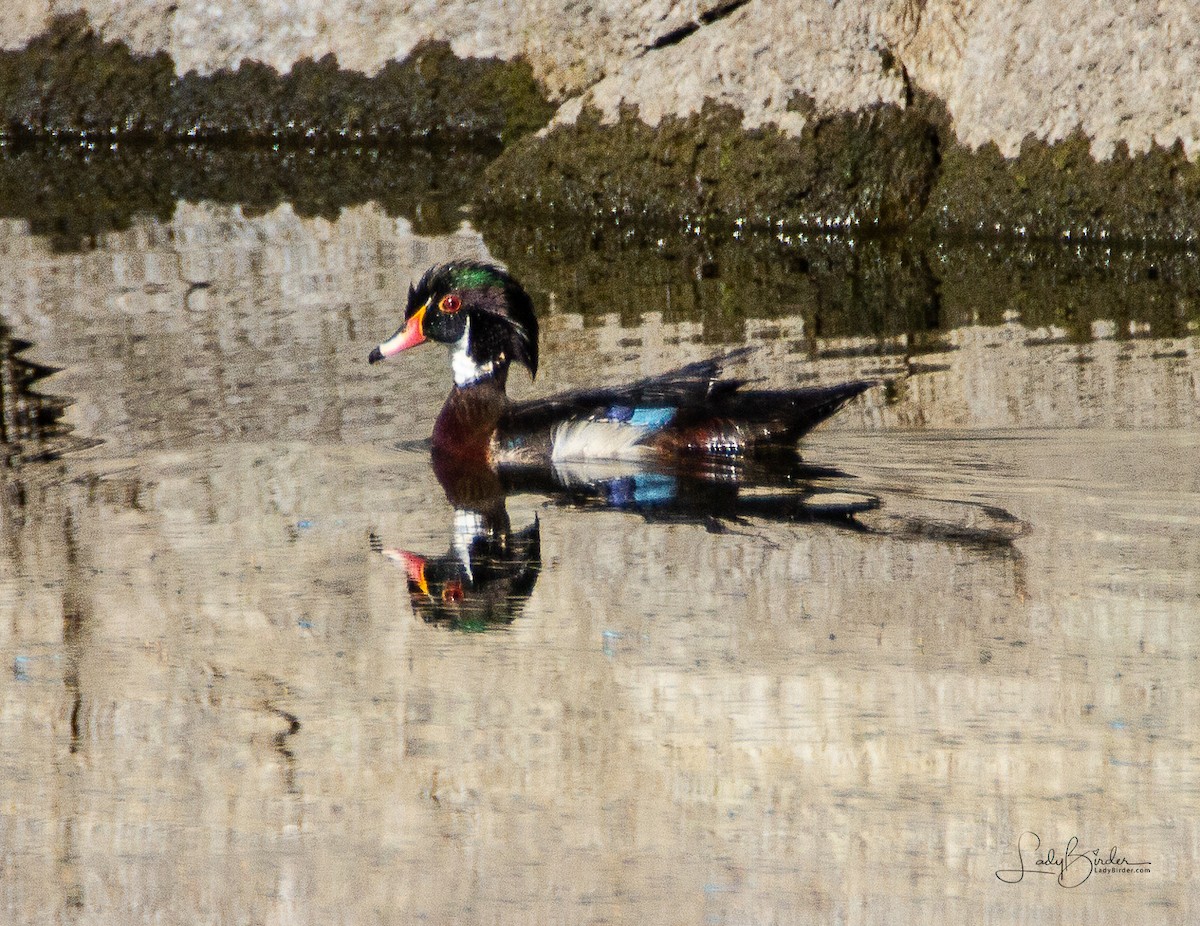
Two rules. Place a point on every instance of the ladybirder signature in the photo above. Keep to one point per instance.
(1071, 867)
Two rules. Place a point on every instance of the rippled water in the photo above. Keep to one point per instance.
(220, 703)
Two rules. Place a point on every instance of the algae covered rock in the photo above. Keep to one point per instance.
(69, 81)
(870, 171)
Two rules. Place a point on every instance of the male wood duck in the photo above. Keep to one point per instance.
(688, 414)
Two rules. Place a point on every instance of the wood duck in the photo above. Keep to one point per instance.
(688, 414)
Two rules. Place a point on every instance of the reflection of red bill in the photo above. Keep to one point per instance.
(412, 334)
(414, 565)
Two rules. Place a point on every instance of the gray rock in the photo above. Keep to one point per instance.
(1006, 69)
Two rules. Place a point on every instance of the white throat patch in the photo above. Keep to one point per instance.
(466, 370)
(468, 527)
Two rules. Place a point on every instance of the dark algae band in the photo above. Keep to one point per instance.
(907, 292)
(862, 172)
(70, 82)
(911, 285)
(882, 170)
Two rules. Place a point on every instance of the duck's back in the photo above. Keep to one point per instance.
(688, 411)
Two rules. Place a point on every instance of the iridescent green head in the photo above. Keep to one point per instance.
(477, 307)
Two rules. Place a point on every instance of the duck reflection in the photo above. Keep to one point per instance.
(715, 495)
(489, 572)
(483, 580)
(490, 569)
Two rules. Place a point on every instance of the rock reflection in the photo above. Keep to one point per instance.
(77, 197)
(31, 426)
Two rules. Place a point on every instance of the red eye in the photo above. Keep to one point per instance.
(450, 304)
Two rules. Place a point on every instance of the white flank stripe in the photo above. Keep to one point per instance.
(598, 440)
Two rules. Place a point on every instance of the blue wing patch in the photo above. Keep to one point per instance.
(641, 490)
(618, 413)
(652, 418)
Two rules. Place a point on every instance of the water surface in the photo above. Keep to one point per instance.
(217, 703)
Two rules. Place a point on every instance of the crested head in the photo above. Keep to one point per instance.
(477, 307)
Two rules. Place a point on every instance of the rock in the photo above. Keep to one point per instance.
(1042, 120)
(1005, 70)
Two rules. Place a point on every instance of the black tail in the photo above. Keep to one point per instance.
(786, 415)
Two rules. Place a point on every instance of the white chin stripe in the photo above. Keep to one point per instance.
(466, 370)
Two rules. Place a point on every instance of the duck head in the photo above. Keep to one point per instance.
(479, 310)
